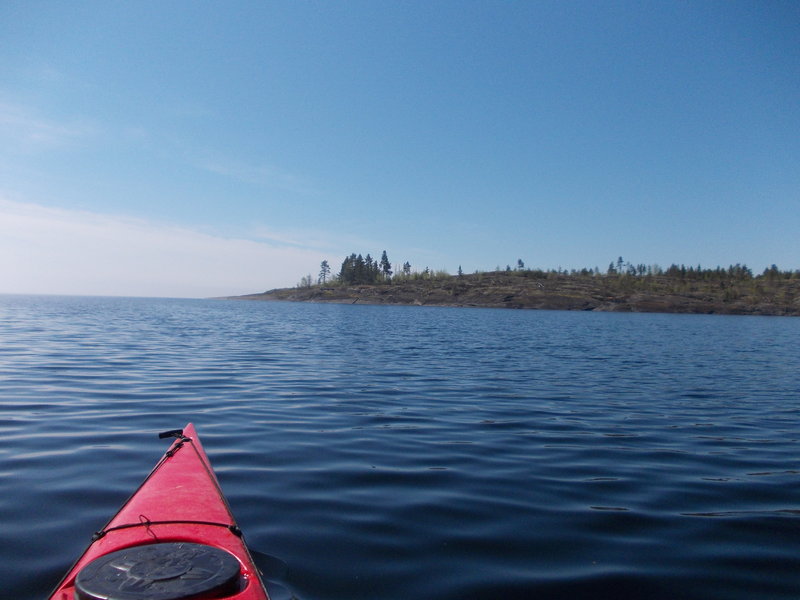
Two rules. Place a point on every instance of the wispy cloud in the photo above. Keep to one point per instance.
(261, 174)
(247, 171)
(323, 240)
(57, 251)
(28, 129)
(23, 129)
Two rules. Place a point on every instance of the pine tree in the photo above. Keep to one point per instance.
(324, 272)
(386, 266)
(359, 269)
(370, 270)
(348, 272)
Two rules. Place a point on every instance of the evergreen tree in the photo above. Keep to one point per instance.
(359, 269)
(370, 270)
(348, 272)
(386, 266)
(324, 271)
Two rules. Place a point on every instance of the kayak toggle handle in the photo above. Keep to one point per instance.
(176, 433)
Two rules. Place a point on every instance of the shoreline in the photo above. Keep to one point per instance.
(528, 290)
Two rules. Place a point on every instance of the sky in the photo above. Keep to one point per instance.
(197, 149)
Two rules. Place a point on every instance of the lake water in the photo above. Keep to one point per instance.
(412, 452)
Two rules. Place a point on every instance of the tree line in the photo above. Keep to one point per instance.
(358, 269)
(623, 268)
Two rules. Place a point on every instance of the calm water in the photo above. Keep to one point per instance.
(407, 452)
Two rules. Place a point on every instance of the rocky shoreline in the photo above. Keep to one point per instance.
(554, 291)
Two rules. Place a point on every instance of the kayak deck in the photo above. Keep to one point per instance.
(179, 503)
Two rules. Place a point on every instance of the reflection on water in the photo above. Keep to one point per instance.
(397, 452)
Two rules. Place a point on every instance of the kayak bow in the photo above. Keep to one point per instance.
(174, 539)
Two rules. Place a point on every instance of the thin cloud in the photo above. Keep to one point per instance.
(55, 251)
(24, 130)
(311, 238)
(249, 172)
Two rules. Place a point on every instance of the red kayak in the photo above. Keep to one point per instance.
(174, 539)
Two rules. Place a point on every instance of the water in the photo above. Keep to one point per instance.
(410, 452)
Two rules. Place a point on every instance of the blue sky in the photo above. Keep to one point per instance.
(214, 148)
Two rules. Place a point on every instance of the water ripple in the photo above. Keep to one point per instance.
(395, 452)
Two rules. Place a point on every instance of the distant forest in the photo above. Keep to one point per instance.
(357, 269)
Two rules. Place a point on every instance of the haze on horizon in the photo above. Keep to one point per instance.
(204, 149)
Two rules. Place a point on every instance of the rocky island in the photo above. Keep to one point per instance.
(634, 289)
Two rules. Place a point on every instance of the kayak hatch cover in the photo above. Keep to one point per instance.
(174, 539)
